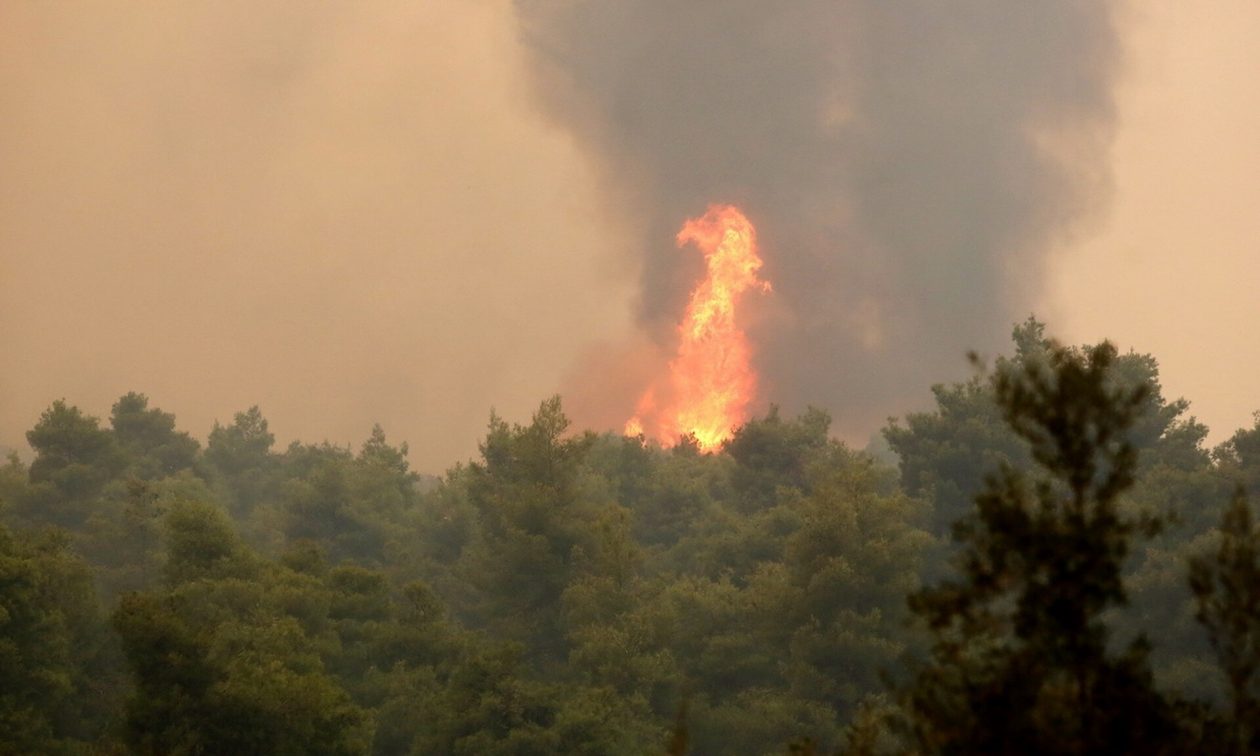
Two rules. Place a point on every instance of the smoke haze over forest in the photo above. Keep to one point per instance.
(410, 213)
(907, 164)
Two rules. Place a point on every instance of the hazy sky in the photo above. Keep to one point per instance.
(346, 213)
(358, 213)
(1173, 267)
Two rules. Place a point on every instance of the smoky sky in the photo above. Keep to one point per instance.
(345, 213)
(412, 213)
(908, 165)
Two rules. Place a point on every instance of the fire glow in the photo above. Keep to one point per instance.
(711, 381)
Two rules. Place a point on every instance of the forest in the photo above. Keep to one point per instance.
(1051, 560)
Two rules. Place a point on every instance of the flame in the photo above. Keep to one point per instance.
(711, 380)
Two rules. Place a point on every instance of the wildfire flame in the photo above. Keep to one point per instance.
(711, 380)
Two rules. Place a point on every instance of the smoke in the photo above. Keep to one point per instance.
(346, 213)
(908, 165)
(355, 213)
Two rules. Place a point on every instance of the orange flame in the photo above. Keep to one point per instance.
(711, 380)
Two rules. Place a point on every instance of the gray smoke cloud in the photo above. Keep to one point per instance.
(908, 163)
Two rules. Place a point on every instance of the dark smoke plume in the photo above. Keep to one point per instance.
(908, 163)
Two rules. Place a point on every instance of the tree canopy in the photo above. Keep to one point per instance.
(1052, 562)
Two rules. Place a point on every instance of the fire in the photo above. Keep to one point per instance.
(711, 380)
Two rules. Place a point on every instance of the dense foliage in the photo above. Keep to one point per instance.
(569, 592)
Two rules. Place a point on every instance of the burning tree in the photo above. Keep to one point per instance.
(711, 380)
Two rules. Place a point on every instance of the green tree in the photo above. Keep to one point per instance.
(947, 454)
(122, 539)
(530, 521)
(74, 459)
(322, 501)
(241, 453)
(351, 506)
(1020, 658)
(60, 681)
(227, 656)
(150, 439)
(667, 492)
(1240, 457)
(1227, 593)
(771, 453)
(849, 567)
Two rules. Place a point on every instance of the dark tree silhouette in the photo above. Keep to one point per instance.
(1020, 660)
(1227, 593)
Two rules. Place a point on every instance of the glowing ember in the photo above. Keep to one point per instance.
(711, 380)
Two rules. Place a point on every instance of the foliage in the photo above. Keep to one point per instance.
(149, 438)
(1227, 595)
(1020, 657)
(569, 592)
(56, 657)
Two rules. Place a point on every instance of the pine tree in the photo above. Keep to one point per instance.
(1020, 660)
